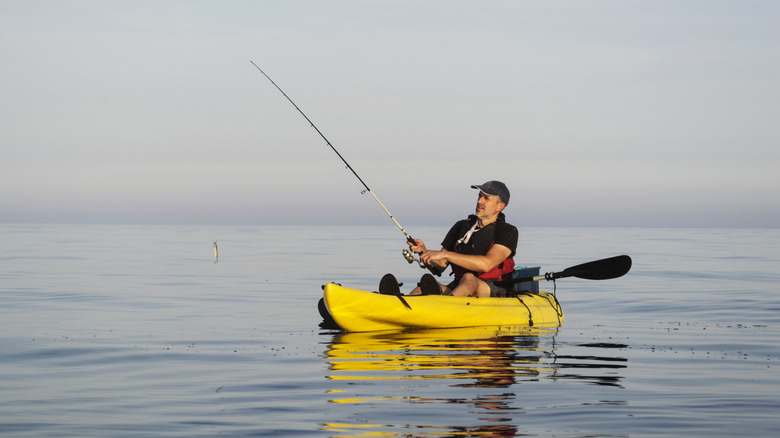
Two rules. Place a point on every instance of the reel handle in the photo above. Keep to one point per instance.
(410, 258)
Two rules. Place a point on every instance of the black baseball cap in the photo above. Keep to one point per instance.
(495, 188)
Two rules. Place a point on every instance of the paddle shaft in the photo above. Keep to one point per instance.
(408, 237)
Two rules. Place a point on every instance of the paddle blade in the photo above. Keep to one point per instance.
(603, 269)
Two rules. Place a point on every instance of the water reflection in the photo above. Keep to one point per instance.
(491, 357)
(481, 359)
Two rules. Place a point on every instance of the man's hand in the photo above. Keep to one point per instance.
(435, 258)
(417, 247)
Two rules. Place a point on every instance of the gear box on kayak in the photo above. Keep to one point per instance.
(526, 272)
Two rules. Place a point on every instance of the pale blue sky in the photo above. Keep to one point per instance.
(595, 113)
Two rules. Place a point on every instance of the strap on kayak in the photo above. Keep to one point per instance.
(401, 297)
(530, 315)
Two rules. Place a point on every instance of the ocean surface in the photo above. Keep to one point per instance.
(135, 330)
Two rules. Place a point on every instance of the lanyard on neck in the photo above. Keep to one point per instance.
(466, 237)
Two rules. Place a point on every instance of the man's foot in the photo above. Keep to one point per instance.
(429, 285)
(388, 285)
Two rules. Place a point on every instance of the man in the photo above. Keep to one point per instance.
(479, 249)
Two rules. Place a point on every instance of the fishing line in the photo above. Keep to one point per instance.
(408, 237)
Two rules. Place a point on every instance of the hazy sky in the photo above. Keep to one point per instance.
(595, 113)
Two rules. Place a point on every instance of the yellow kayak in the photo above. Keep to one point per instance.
(356, 310)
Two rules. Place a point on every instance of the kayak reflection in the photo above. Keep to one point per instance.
(481, 367)
(487, 356)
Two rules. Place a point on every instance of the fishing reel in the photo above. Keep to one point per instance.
(410, 258)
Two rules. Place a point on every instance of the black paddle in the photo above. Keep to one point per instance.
(603, 269)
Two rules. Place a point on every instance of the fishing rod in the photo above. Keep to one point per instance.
(409, 257)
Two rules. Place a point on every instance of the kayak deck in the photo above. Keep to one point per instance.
(356, 310)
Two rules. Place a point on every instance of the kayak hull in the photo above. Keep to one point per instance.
(355, 310)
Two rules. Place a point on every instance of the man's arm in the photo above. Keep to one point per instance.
(477, 263)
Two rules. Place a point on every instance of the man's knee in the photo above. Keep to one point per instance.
(468, 277)
(472, 285)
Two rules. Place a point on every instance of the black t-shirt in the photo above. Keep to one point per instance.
(498, 232)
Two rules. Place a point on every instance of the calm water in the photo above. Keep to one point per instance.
(134, 331)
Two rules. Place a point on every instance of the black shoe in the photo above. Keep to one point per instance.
(429, 285)
(388, 285)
